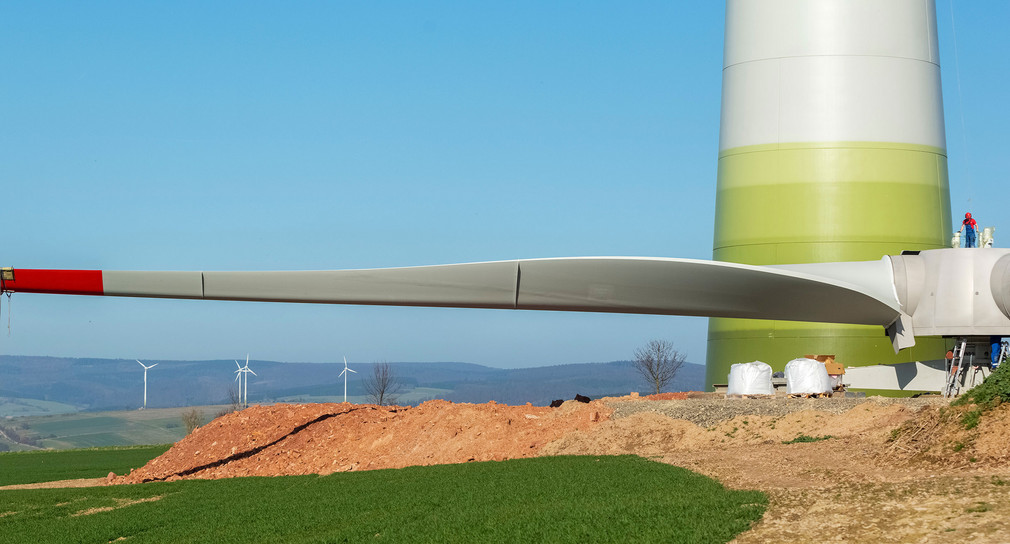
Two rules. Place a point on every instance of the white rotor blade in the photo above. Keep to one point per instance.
(589, 284)
(938, 292)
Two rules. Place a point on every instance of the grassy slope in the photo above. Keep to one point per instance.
(554, 499)
(17, 407)
(122, 428)
(46, 466)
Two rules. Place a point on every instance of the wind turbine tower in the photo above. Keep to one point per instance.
(238, 377)
(146, 368)
(243, 384)
(831, 148)
(344, 374)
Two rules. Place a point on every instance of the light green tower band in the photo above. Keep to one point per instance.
(842, 201)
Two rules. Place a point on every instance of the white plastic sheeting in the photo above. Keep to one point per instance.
(750, 379)
(807, 376)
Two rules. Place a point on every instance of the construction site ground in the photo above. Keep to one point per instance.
(871, 470)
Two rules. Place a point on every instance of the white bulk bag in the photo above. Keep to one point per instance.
(750, 379)
(807, 376)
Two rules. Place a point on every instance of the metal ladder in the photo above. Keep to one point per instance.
(957, 369)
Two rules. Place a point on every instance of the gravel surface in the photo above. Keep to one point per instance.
(706, 412)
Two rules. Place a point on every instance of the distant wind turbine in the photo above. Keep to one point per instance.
(244, 370)
(238, 378)
(146, 368)
(344, 374)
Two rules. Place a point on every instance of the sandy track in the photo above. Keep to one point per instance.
(857, 486)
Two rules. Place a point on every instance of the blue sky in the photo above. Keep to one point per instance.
(269, 135)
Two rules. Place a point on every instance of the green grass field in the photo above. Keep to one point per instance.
(31, 467)
(101, 429)
(17, 407)
(551, 499)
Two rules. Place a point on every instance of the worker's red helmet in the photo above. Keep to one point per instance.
(967, 215)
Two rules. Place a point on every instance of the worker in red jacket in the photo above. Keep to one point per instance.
(969, 226)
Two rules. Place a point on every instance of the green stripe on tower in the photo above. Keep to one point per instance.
(781, 204)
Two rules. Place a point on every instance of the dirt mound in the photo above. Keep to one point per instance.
(954, 436)
(992, 443)
(287, 439)
(653, 434)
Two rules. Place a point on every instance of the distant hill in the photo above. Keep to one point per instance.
(117, 384)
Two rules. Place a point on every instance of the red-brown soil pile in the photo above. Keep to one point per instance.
(288, 439)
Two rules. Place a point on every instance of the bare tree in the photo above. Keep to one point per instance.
(382, 386)
(658, 363)
(234, 402)
(234, 399)
(192, 419)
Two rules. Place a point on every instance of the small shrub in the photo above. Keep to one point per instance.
(979, 507)
(971, 418)
(192, 419)
(806, 438)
